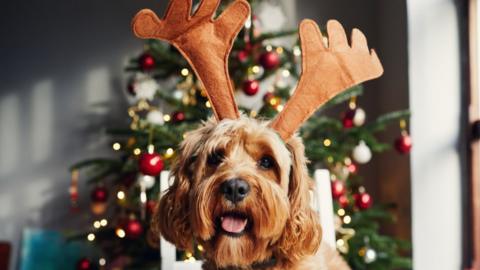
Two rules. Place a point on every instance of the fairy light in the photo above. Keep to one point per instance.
(169, 153)
(91, 237)
(121, 195)
(330, 159)
(167, 118)
(347, 219)
(341, 212)
(97, 224)
(116, 146)
(143, 197)
(185, 72)
(103, 222)
(279, 50)
(280, 108)
(327, 142)
(286, 73)
(137, 151)
(297, 51)
(120, 233)
(255, 69)
(200, 248)
(208, 105)
(340, 243)
(102, 262)
(269, 48)
(274, 101)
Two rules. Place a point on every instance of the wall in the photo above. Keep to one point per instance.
(61, 83)
(435, 98)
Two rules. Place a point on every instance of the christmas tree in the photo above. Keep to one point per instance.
(168, 100)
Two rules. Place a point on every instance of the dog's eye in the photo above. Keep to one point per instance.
(266, 162)
(215, 158)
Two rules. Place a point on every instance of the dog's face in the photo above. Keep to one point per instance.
(242, 193)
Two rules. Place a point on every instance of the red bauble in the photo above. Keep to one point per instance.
(99, 194)
(84, 264)
(338, 189)
(243, 55)
(147, 62)
(348, 118)
(268, 96)
(150, 164)
(403, 144)
(133, 229)
(343, 201)
(352, 168)
(269, 60)
(178, 117)
(363, 201)
(251, 87)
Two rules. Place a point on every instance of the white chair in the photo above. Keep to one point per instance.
(322, 202)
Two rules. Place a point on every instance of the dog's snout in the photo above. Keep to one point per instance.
(235, 190)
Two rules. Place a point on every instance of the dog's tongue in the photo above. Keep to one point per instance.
(234, 224)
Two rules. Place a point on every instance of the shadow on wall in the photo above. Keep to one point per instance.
(61, 83)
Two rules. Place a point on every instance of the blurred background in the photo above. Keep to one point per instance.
(63, 82)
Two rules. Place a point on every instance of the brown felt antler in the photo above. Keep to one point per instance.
(205, 43)
(326, 71)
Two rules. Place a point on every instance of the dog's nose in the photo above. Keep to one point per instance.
(235, 190)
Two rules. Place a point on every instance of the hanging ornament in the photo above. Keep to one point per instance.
(84, 264)
(178, 116)
(348, 118)
(338, 189)
(362, 153)
(343, 201)
(359, 117)
(143, 86)
(133, 228)
(155, 117)
(146, 62)
(363, 200)
(403, 144)
(251, 87)
(370, 255)
(150, 163)
(146, 181)
(99, 197)
(269, 60)
(243, 55)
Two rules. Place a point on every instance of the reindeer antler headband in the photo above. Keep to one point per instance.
(206, 44)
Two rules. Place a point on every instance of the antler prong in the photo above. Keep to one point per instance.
(326, 71)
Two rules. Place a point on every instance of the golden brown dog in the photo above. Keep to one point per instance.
(243, 194)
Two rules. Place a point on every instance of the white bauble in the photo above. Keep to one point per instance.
(359, 117)
(146, 181)
(370, 256)
(155, 117)
(362, 153)
(145, 87)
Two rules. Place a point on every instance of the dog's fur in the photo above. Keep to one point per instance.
(282, 225)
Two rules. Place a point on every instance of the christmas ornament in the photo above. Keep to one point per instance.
(143, 87)
(84, 264)
(155, 117)
(150, 163)
(178, 116)
(359, 117)
(251, 87)
(343, 201)
(363, 200)
(347, 119)
(362, 153)
(370, 256)
(243, 55)
(404, 143)
(269, 60)
(133, 229)
(338, 189)
(146, 181)
(99, 194)
(146, 62)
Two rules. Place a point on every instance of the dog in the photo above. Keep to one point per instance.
(243, 193)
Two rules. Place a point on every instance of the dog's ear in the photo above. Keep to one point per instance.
(171, 219)
(303, 233)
